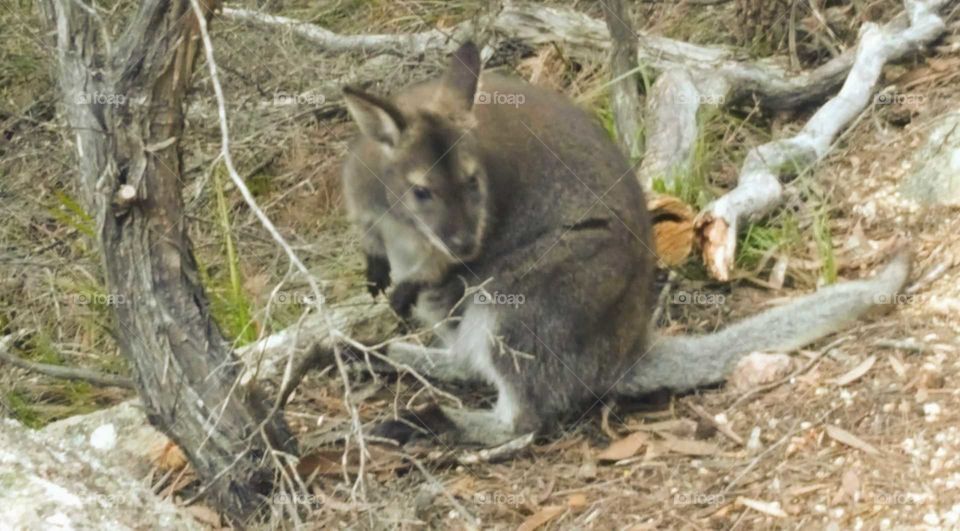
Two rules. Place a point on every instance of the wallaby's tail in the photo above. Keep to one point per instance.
(682, 363)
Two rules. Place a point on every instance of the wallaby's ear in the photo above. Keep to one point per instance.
(463, 72)
(377, 118)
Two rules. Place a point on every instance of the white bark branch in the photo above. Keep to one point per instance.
(672, 105)
(759, 189)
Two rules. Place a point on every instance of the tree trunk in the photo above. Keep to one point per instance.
(124, 103)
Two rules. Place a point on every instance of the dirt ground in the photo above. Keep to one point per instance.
(863, 434)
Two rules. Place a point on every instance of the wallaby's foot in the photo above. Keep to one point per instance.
(448, 425)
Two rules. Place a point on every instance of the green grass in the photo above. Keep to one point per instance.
(229, 302)
(69, 213)
(824, 239)
(693, 187)
(21, 408)
(781, 234)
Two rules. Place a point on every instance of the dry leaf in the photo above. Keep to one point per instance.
(898, 366)
(678, 427)
(672, 229)
(577, 501)
(541, 517)
(330, 462)
(857, 372)
(768, 508)
(850, 485)
(691, 447)
(167, 455)
(204, 515)
(624, 448)
(843, 436)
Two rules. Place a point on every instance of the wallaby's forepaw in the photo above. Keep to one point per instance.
(403, 297)
(378, 274)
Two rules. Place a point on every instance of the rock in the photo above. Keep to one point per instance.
(757, 368)
(49, 483)
(120, 436)
(935, 179)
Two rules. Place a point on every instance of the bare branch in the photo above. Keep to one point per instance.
(58, 371)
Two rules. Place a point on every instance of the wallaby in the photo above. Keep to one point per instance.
(473, 179)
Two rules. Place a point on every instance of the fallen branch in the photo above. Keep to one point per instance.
(759, 189)
(498, 453)
(395, 43)
(58, 371)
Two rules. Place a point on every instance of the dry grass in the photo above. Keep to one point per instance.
(906, 405)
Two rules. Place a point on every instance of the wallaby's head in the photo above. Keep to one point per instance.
(428, 159)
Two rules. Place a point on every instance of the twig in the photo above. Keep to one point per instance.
(57, 371)
(497, 453)
(471, 519)
(929, 277)
(723, 428)
(756, 460)
(907, 344)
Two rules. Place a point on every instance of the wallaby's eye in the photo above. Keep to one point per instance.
(473, 183)
(421, 193)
